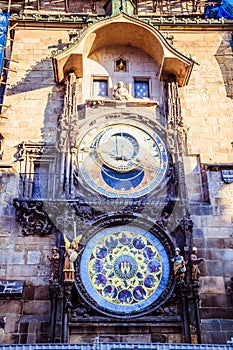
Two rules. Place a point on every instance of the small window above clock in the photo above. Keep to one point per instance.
(100, 87)
(141, 88)
(121, 65)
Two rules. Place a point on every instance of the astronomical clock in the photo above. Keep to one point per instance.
(111, 188)
(122, 181)
(124, 268)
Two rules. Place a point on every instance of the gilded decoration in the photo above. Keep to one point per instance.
(125, 270)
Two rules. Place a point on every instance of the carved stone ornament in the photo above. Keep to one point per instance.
(38, 217)
(34, 150)
(186, 224)
(31, 216)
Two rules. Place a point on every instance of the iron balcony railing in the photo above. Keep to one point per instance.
(45, 185)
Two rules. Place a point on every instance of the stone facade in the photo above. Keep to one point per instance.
(37, 103)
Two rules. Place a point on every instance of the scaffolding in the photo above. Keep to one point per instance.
(6, 40)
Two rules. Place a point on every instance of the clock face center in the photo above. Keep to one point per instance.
(119, 151)
(125, 266)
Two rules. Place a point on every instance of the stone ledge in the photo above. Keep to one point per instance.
(133, 102)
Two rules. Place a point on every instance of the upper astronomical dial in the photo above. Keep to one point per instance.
(122, 159)
(119, 148)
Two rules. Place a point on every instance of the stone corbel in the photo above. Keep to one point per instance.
(186, 224)
(32, 217)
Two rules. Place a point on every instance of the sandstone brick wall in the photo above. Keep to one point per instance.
(206, 104)
(35, 98)
(24, 259)
(206, 100)
(36, 104)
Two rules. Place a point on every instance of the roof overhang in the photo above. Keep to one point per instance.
(127, 31)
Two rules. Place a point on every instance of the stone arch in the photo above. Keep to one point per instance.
(129, 31)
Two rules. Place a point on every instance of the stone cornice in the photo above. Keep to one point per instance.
(162, 22)
(218, 166)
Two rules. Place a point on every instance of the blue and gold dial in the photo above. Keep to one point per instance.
(124, 269)
(122, 159)
(119, 149)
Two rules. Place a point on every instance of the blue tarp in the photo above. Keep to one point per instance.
(4, 17)
(223, 10)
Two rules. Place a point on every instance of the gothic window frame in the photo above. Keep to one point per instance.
(31, 155)
(41, 181)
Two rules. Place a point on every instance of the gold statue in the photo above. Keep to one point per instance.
(121, 66)
(195, 261)
(71, 254)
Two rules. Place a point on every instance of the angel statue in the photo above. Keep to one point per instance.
(71, 254)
